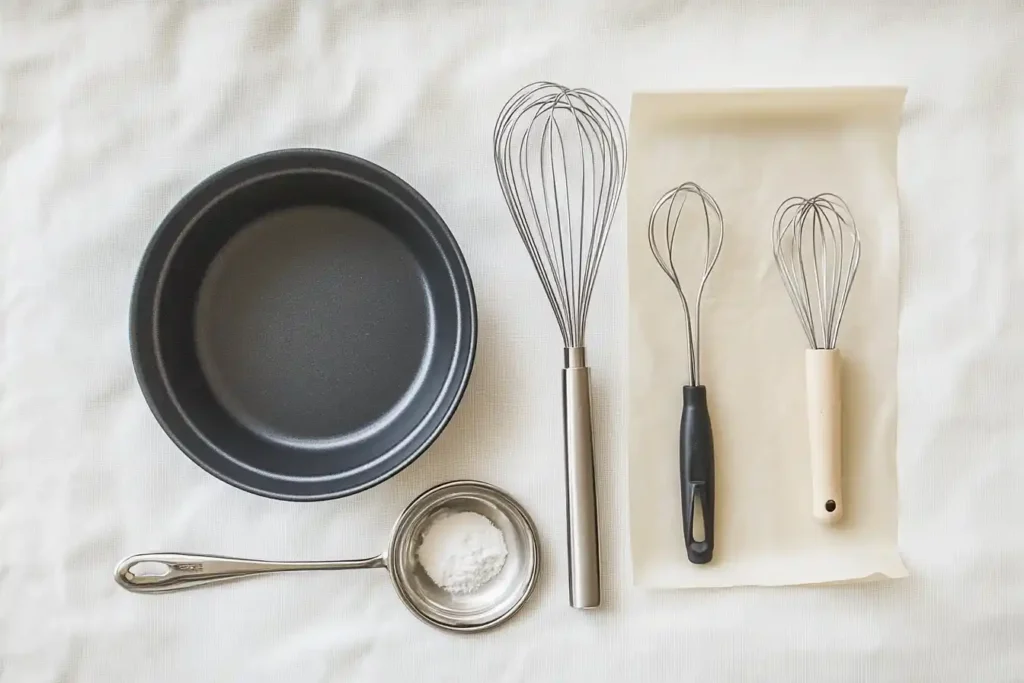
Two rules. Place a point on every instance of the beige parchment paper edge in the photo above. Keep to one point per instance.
(751, 149)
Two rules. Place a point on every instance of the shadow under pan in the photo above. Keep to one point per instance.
(303, 324)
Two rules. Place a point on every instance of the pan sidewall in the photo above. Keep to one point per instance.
(157, 389)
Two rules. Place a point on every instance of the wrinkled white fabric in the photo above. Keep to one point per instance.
(109, 111)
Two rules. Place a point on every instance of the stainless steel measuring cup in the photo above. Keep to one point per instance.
(490, 606)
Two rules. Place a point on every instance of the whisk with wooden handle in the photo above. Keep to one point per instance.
(817, 251)
(560, 156)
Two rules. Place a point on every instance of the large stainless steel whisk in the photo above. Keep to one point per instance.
(696, 443)
(817, 251)
(560, 156)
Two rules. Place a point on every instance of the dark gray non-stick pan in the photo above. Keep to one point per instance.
(303, 324)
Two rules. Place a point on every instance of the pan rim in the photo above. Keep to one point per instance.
(157, 389)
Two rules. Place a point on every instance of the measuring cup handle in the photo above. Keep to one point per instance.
(178, 571)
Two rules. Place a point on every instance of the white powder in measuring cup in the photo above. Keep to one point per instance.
(462, 551)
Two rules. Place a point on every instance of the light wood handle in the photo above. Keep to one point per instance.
(825, 425)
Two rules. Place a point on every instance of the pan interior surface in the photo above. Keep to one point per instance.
(303, 324)
(313, 327)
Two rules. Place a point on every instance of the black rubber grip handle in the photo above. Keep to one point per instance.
(697, 473)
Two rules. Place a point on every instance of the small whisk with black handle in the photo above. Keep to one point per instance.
(560, 156)
(696, 442)
(817, 251)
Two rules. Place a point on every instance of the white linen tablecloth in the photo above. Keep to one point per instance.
(109, 111)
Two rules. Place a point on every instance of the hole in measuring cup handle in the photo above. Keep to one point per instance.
(148, 569)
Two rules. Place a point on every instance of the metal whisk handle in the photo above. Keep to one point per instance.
(581, 494)
(697, 474)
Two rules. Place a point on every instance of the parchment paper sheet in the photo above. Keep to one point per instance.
(751, 150)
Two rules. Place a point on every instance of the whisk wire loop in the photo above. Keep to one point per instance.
(560, 156)
(662, 237)
(817, 248)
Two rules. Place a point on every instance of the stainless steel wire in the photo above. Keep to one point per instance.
(560, 156)
(661, 236)
(817, 251)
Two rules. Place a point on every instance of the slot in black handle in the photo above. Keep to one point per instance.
(697, 474)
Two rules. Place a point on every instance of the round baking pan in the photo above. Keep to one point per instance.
(303, 324)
